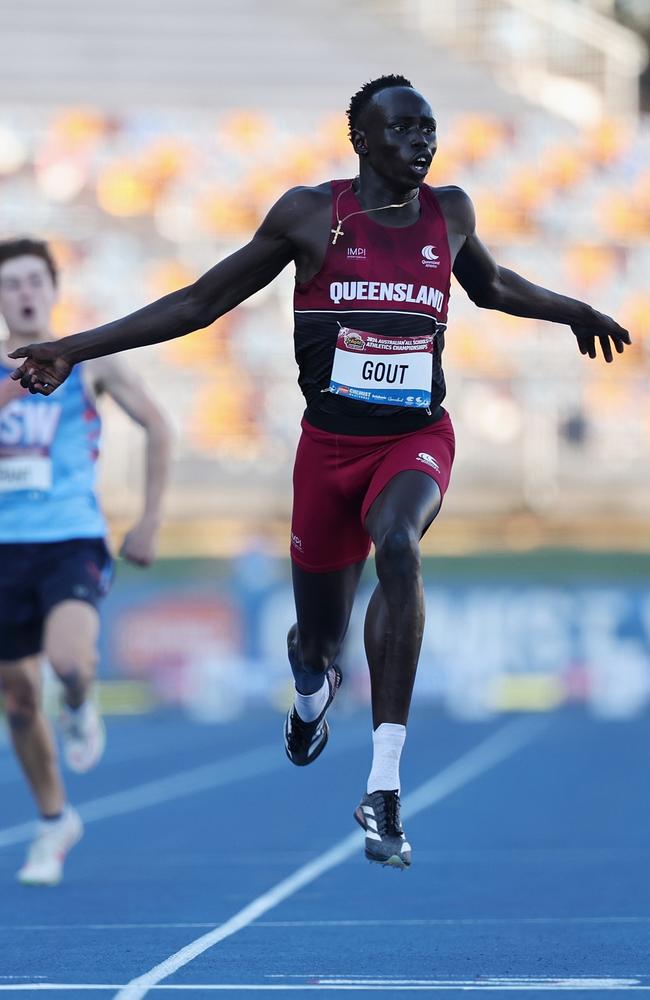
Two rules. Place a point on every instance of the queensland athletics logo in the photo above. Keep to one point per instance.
(429, 256)
(428, 460)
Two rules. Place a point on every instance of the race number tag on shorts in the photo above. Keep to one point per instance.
(374, 369)
(25, 472)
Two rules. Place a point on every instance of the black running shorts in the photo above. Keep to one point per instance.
(36, 576)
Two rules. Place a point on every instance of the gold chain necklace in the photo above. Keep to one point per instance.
(362, 211)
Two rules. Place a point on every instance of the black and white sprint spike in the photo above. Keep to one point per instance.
(305, 741)
(378, 815)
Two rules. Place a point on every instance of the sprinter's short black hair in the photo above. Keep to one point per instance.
(366, 93)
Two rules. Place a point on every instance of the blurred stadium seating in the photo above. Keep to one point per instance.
(147, 139)
(136, 208)
(139, 196)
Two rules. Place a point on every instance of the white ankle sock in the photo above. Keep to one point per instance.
(387, 742)
(309, 706)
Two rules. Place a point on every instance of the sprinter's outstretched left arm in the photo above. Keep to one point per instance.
(493, 287)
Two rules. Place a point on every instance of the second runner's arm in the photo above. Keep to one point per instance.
(127, 389)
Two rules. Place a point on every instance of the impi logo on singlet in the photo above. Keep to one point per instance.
(29, 424)
(386, 291)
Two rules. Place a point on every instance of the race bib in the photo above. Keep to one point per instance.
(396, 371)
(25, 472)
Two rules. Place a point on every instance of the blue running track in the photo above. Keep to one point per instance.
(212, 867)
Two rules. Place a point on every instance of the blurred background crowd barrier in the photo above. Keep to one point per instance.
(504, 633)
(147, 140)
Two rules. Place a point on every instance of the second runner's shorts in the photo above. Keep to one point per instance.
(36, 576)
(337, 478)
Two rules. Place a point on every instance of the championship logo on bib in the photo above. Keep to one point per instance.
(395, 371)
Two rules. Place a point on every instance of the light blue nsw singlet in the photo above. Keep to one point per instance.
(49, 447)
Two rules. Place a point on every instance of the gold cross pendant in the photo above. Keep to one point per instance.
(337, 232)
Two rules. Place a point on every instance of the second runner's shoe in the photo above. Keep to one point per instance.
(305, 741)
(46, 854)
(84, 736)
(378, 814)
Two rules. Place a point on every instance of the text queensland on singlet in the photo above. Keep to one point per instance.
(369, 327)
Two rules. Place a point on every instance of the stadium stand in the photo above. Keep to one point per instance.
(138, 202)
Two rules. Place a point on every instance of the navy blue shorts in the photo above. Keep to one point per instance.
(36, 576)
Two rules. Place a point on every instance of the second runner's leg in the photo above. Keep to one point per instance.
(70, 641)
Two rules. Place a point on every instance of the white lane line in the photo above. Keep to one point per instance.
(453, 922)
(486, 755)
(365, 986)
(589, 982)
(250, 764)
(150, 793)
(281, 924)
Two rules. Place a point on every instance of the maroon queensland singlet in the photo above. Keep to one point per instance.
(391, 284)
